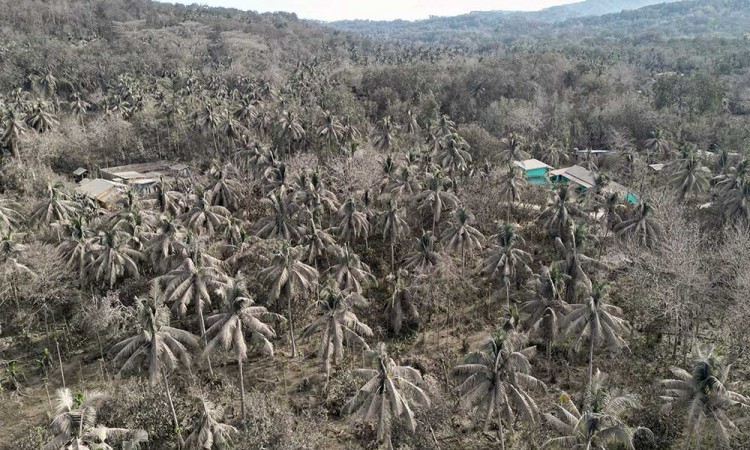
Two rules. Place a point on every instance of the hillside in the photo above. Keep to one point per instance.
(683, 19)
(589, 8)
(462, 233)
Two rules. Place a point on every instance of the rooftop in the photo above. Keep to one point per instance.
(578, 175)
(79, 171)
(531, 164)
(103, 190)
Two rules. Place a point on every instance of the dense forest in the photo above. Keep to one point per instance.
(341, 244)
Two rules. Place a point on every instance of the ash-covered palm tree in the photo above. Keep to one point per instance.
(496, 382)
(513, 149)
(461, 236)
(317, 241)
(11, 269)
(74, 248)
(406, 184)
(338, 324)
(311, 192)
(388, 395)
(595, 322)
(383, 138)
(13, 128)
(733, 189)
(352, 221)
(79, 106)
(168, 201)
(330, 129)
(224, 189)
(289, 128)
(641, 227)
(454, 157)
(10, 215)
(575, 266)
(435, 198)
(288, 278)
(423, 258)
(445, 126)
(705, 395)
(112, 258)
(191, 283)
(209, 433)
(658, 143)
(599, 426)
(558, 215)
(203, 216)
(241, 320)
(281, 223)
(39, 117)
(505, 259)
(393, 226)
(54, 207)
(157, 348)
(74, 415)
(400, 306)
(552, 153)
(350, 272)
(689, 175)
(167, 245)
(510, 188)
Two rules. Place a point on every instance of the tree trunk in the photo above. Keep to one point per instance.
(393, 260)
(205, 342)
(587, 397)
(242, 393)
(500, 432)
(291, 328)
(171, 407)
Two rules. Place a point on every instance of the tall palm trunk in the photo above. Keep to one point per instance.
(587, 398)
(291, 327)
(171, 407)
(205, 342)
(393, 260)
(242, 393)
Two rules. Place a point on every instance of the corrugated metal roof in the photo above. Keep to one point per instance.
(103, 190)
(79, 171)
(531, 164)
(578, 175)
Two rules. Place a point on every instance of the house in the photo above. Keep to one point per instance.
(105, 192)
(534, 171)
(585, 179)
(145, 171)
(79, 174)
(580, 176)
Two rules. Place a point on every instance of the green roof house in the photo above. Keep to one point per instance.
(533, 170)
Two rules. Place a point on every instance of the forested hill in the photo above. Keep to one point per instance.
(727, 18)
(591, 8)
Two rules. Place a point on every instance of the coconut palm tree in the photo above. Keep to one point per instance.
(54, 207)
(209, 433)
(330, 129)
(350, 272)
(352, 221)
(203, 216)
(167, 200)
(112, 259)
(558, 215)
(496, 381)
(288, 277)
(13, 128)
(423, 258)
(505, 259)
(317, 241)
(435, 198)
(157, 347)
(510, 188)
(552, 153)
(388, 394)
(658, 143)
(227, 329)
(575, 265)
(75, 248)
(405, 184)
(394, 227)
(191, 283)
(311, 192)
(599, 426)
(338, 325)
(79, 106)
(223, 192)
(289, 128)
(383, 139)
(167, 245)
(39, 118)
(513, 149)
(461, 236)
(280, 224)
(11, 269)
(454, 157)
(641, 227)
(74, 415)
(10, 215)
(705, 395)
(597, 322)
(689, 176)
(445, 126)
(400, 306)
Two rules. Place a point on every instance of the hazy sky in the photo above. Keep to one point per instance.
(379, 10)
